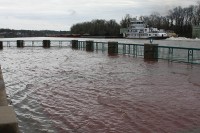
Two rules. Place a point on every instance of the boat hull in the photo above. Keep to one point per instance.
(154, 38)
(158, 38)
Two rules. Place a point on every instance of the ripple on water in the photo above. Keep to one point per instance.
(61, 90)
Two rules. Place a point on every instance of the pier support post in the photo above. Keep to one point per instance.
(151, 52)
(20, 43)
(1, 45)
(112, 48)
(89, 46)
(74, 44)
(46, 43)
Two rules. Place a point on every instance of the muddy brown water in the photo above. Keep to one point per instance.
(72, 91)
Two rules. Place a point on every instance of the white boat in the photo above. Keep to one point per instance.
(138, 30)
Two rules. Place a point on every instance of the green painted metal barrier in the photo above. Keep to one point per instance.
(178, 54)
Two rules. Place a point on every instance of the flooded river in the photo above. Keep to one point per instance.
(60, 90)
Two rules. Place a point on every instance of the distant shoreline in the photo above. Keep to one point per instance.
(86, 36)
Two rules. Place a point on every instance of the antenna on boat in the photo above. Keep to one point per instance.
(151, 40)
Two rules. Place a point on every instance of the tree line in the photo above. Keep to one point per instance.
(9, 33)
(180, 20)
(97, 27)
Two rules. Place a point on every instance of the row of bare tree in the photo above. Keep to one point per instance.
(180, 20)
(97, 27)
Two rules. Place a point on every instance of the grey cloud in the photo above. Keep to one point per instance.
(68, 12)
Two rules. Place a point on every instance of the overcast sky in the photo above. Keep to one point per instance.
(62, 14)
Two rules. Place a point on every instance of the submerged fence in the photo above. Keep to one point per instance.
(178, 54)
(35, 43)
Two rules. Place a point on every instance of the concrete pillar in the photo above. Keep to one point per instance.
(46, 43)
(112, 48)
(151, 52)
(1, 45)
(20, 43)
(89, 46)
(3, 97)
(8, 121)
(74, 44)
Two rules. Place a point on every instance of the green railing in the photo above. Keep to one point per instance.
(178, 54)
(37, 43)
(131, 49)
